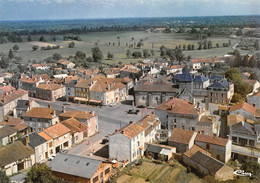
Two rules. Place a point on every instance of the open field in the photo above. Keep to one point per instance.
(103, 38)
(152, 172)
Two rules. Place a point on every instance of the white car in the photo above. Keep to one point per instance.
(112, 104)
(52, 157)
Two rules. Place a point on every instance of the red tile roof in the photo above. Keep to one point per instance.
(74, 125)
(39, 112)
(50, 87)
(211, 140)
(243, 105)
(131, 130)
(77, 114)
(178, 106)
(181, 136)
(56, 130)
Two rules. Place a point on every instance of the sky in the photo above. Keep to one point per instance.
(85, 9)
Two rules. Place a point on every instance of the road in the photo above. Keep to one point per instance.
(109, 119)
(245, 150)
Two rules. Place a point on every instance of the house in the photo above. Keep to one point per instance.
(220, 148)
(151, 92)
(30, 84)
(244, 109)
(60, 135)
(15, 158)
(65, 64)
(90, 119)
(70, 90)
(39, 118)
(17, 123)
(71, 168)
(15, 80)
(127, 143)
(130, 71)
(7, 90)
(207, 165)
(23, 106)
(196, 64)
(253, 83)
(151, 125)
(200, 82)
(9, 102)
(7, 135)
(254, 100)
(178, 113)
(50, 91)
(111, 72)
(183, 140)
(158, 151)
(40, 146)
(208, 125)
(78, 130)
(41, 66)
(82, 92)
(245, 134)
(220, 92)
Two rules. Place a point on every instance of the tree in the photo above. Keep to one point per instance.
(128, 54)
(90, 59)
(245, 61)
(57, 56)
(137, 54)
(110, 56)
(40, 173)
(3, 177)
(146, 53)
(253, 76)
(236, 98)
(256, 45)
(140, 44)
(252, 62)
(71, 45)
(118, 40)
(29, 38)
(35, 47)
(42, 39)
(152, 52)
(11, 54)
(179, 56)
(80, 55)
(54, 39)
(97, 54)
(184, 47)
(217, 45)
(16, 47)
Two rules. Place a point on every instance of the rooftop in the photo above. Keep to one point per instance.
(56, 130)
(131, 130)
(74, 125)
(181, 136)
(77, 114)
(39, 112)
(243, 105)
(211, 140)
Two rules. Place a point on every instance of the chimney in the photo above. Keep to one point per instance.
(63, 109)
(29, 104)
(122, 131)
(243, 123)
(49, 106)
(53, 112)
(153, 112)
(130, 122)
(26, 140)
(92, 113)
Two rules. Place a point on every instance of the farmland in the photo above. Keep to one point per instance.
(102, 39)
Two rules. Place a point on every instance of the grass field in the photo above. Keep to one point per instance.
(103, 38)
(152, 172)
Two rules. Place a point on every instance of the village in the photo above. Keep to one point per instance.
(88, 124)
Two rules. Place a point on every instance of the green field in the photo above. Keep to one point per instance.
(103, 38)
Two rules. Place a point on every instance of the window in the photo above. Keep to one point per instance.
(95, 179)
(182, 127)
(50, 144)
(138, 143)
(207, 146)
(218, 157)
(107, 171)
(175, 121)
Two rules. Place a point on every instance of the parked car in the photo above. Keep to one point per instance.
(141, 106)
(66, 103)
(64, 151)
(112, 104)
(52, 157)
(133, 111)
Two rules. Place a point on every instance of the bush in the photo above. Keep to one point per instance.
(71, 45)
(35, 47)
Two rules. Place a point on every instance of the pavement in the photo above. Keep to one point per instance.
(109, 119)
(18, 178)
(245, 150)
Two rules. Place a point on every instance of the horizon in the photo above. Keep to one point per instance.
(15, 10)
(107, 18)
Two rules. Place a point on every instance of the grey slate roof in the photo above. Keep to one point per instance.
(185, 76)
(200, 78)
(22, 104)
(221, 84)
(154, 149)
(36, 140)
(212, 164)
(72, 83)
(6, 131)
(216, 78)
(243, 127)
(75, 165)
